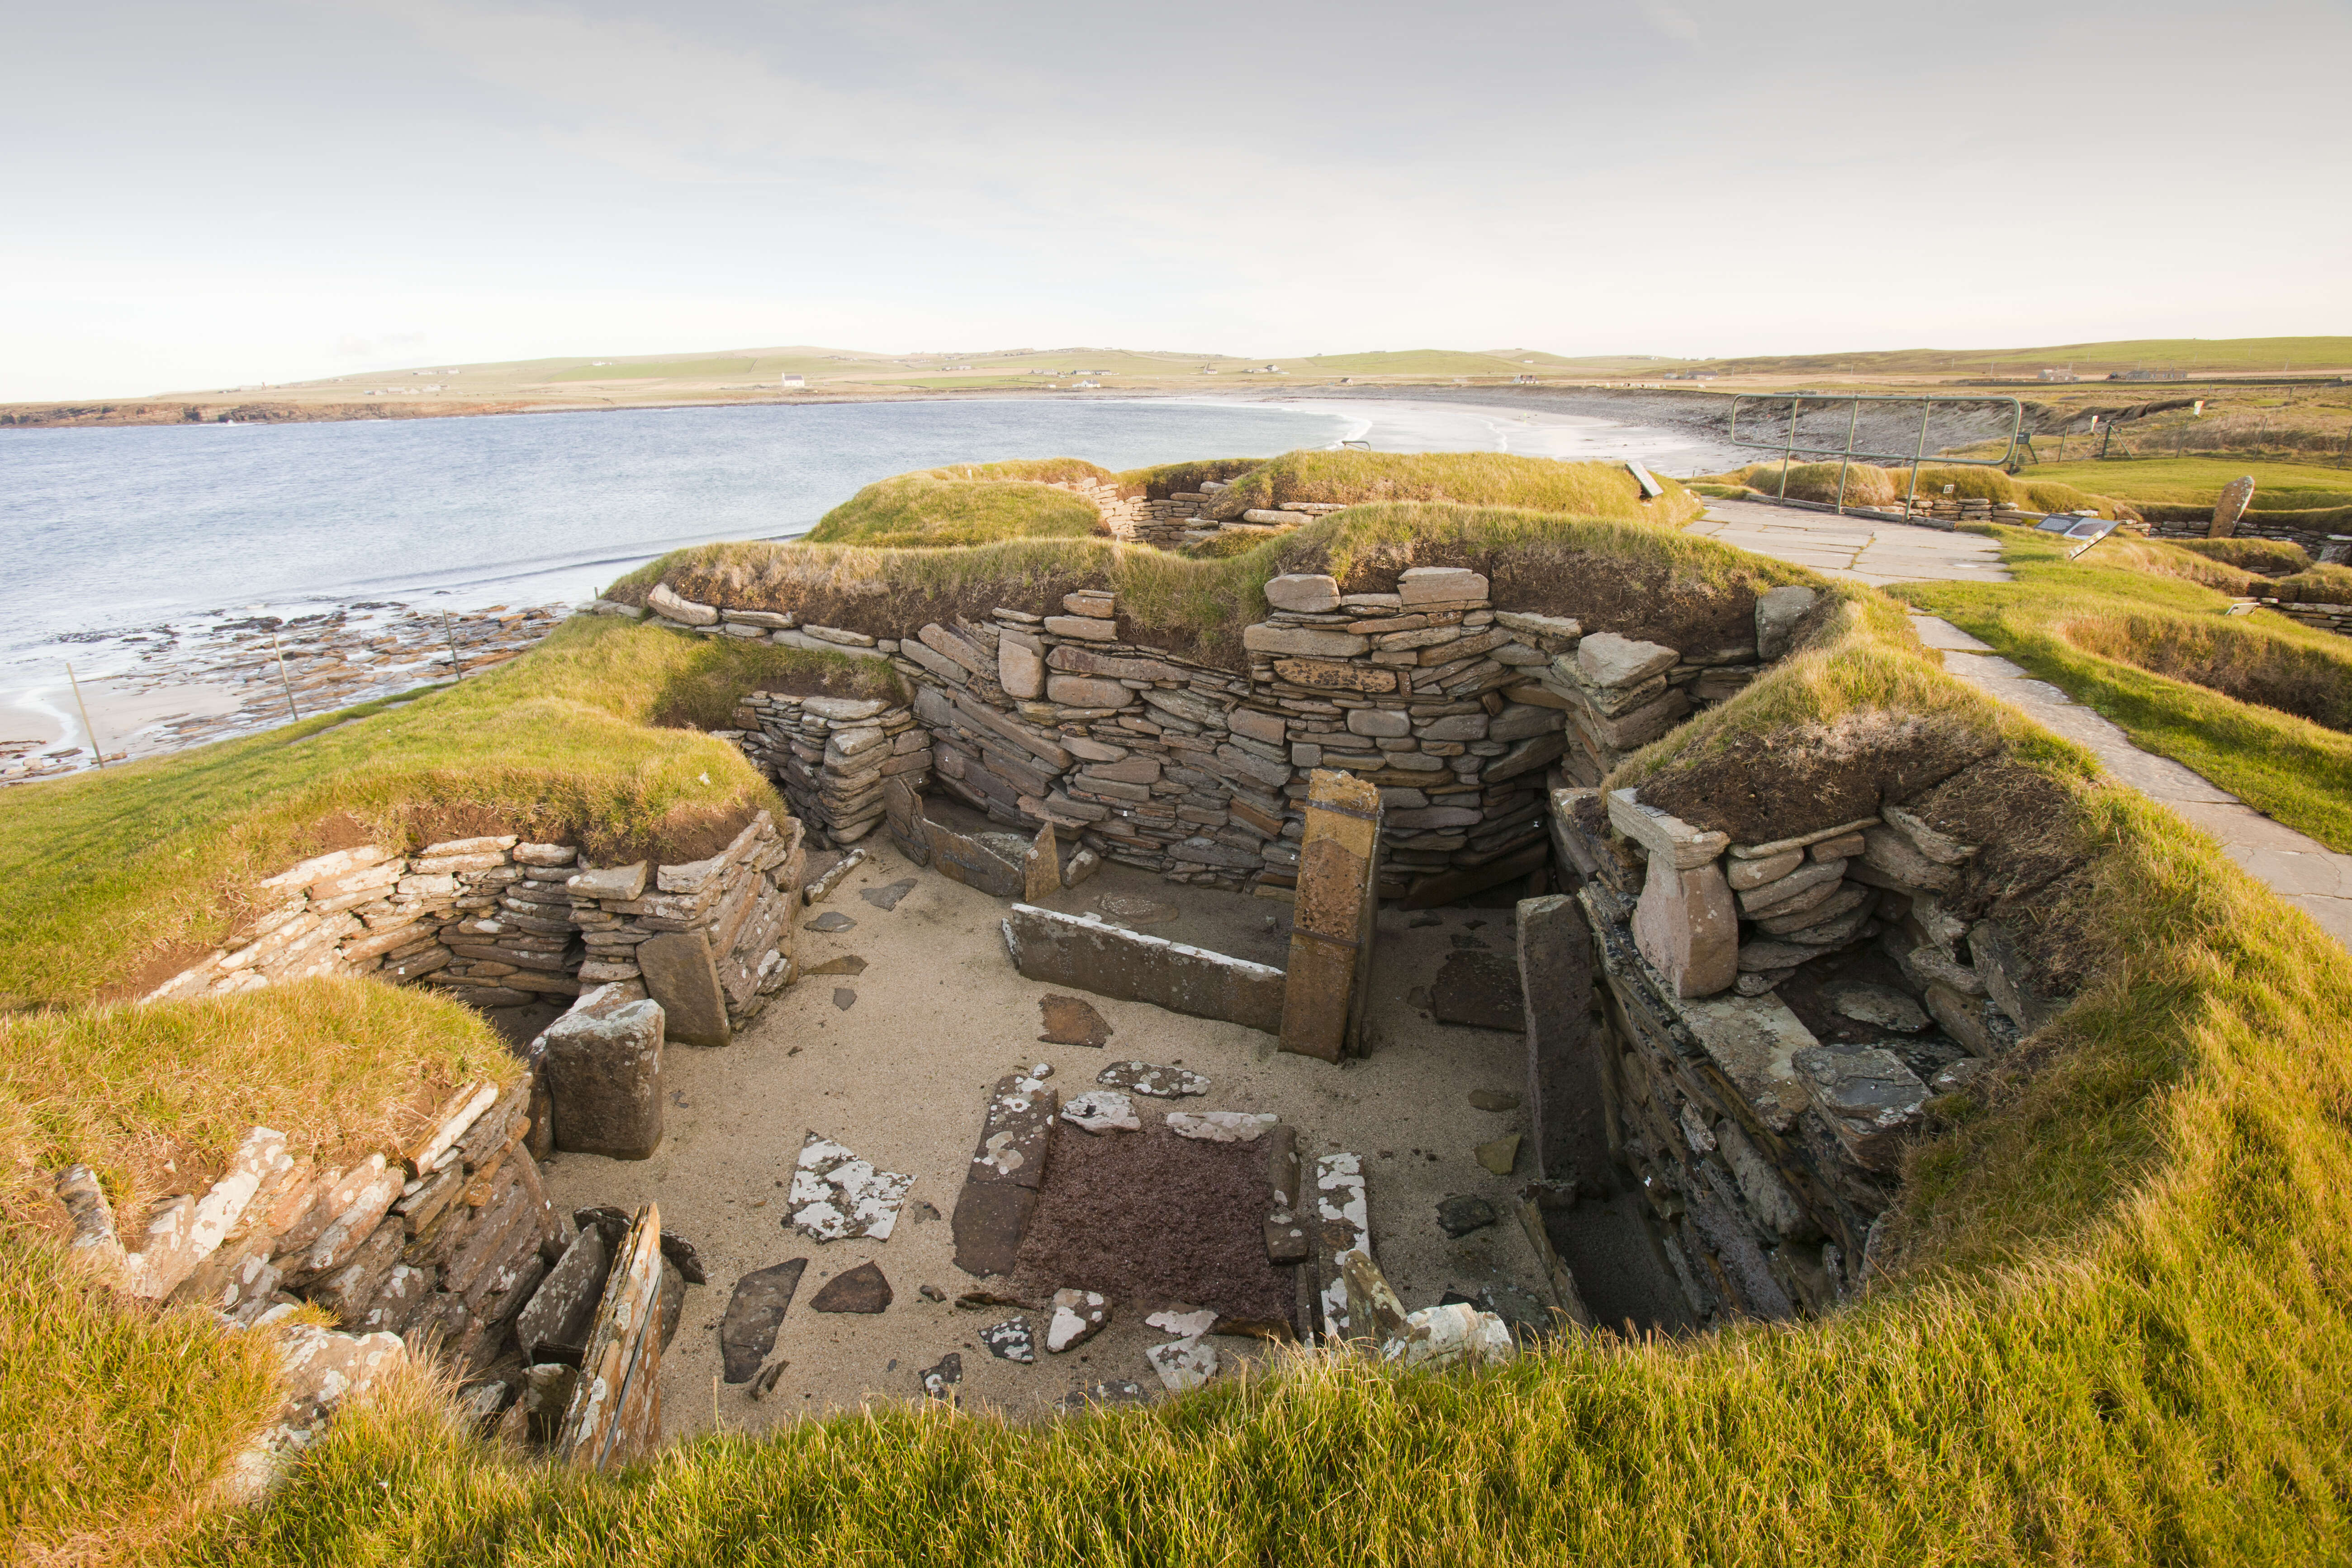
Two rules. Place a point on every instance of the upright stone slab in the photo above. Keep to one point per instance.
(680, 974)
(1087, 955)
(1568, 1091)
(1331, 925)
(903, 808)
(614, 1415)
(962, 858)
(553, 1326)
(1688, 928)
(603, 1080)
(1041, 870)
(2236, 497)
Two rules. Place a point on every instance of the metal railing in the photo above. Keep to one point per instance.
(1788, 447)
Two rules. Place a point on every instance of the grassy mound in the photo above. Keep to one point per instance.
(2067, 622)
(942, 507)
(1865, 485)
(1817, 482)
(1660, 580)
(119, 1419)
(2117, 1327)
(2250, 663)
(110, 882)
(1348, 477)
(1184, 478)
(2263, 557)
(2197, 481)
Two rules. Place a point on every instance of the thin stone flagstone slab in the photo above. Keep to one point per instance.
(1183, 1365)
(754, 1312)
(1072, 1021)
(1160, 1082)
(836, 1195)
(862, 1290)
(1102, 1110)
(1016, 1339)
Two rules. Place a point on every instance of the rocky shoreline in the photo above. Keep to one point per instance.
(242, 674)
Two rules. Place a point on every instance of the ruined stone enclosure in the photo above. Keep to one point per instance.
(1107, 1014)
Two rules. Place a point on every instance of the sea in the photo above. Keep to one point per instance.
(106, 533)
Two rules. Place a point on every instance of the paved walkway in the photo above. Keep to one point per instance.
(1872, 550)
(2304, 872)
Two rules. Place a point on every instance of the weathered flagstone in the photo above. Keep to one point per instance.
(1078, 1317)
(862, 1290)
(754, 1312)
(835, 1195)
(1016, 1339)
(1161, 1082)
(1072, 1021)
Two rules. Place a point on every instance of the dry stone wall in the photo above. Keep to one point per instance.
(498, 922)
(832, 755)
(1763, 1101)
(710, 940)
(1453, 709)
(439, 1244)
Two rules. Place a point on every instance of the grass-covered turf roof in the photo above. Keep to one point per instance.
(2115, 1327)
(1656, 580)
(984, 503)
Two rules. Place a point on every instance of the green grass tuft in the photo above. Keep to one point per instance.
(104, 876)
(2064, 621)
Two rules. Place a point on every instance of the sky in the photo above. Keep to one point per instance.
(246, 190)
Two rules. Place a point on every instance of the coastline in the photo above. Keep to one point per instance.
(1684, 410)
(189, 679)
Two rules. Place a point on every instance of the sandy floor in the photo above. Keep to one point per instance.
(901, 1074)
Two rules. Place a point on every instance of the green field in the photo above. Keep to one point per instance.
(2136, 632)
(2197, 481)
(2237, 355)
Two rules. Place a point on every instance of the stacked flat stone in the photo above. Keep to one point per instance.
(670, 609)
(1621, 694)
(832, 755)
(1763, 1213)
(1038, 717)
(1768, 1153)
(1452, 707)
(512, 940)
(2325, 617)
(741, 901)
(1162, 523)
(366, 910)
(1122, 516)
(440, 1243)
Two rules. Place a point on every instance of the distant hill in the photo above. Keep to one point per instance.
(753, 368)
(2196, 355)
